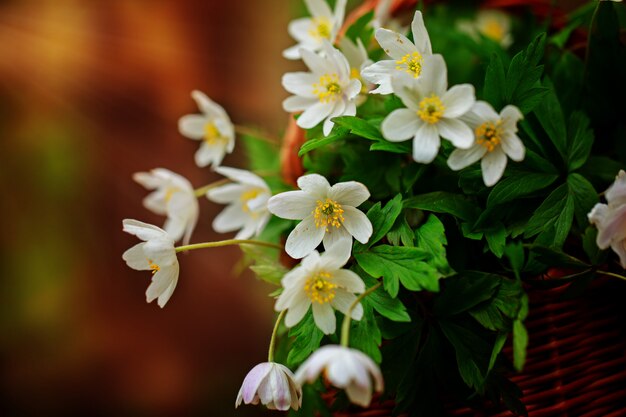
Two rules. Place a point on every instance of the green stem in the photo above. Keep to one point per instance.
(611, 274)
(345, 327)
(199, 192)
(228, 242)
(255, 134)
(270, 353)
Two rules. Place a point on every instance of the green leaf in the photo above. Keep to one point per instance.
(503, 307)
(495, 82)
(584, 195)
(551, 119)
(520, 184)
(595, 254)
(431, 237)
(360, 29)
(382, 220)
(496, 239)
(444, 202)
(497, 348)
(401, 233)
(465, 291)
(388, 307)
(394, 147)
(580, 138)
(399, 264)
(548, 212)
(338, 133)
(523, 77)
(556, 258)
(359, 127)
(365, 334)
(306, 339)
(520, 342)
(515, 253)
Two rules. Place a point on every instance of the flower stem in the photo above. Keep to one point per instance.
(228, 242)
(611, 274)
(258, 135)
(199, 192)
(270, 352)
(345, 327)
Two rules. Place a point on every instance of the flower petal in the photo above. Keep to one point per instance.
(357, 224)
(324, 317)
(458, 100)
(400, 125)
(434, 76)
(456, 132)
(493, 165)
(349, 280)
(318, 8)
(343, 301)
(192, 126)
(230, 219)
(297, 309)
(510, 116)
(359, 395)
(426, 144)
(292, 205)
(294, 104)
(420, 34)
(167, 294)
(349, 193)
(338, 241)
(252, 381)
(461, 158)
(304, 238)
(242, 176)
(136, 258)
(380, 73)
(316, 63)
(208, 106)
(480, 113)
(300, 84)
(226, 194)
(512, 146)
(315, 185)
(312, 116)
(161, 283)
(143, 231)
(394, 44)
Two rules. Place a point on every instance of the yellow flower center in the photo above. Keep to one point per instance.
(489, 135)
(431, 109)
(245, 200)
(328, 89)
(319, 289)
(493, 29)
(321, 28)
(411, 63)
(154, 267)
(328, 213)
(212, 135)
(355, 74)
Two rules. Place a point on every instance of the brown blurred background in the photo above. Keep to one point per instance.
(90, 92)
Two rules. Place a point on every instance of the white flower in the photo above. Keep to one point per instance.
(327, 91)
(610, 219)
(156, 254)
(328, 214)
(173, 197)
(432, 112)
(358, 59)
(273, 384)
(495, 138)
(247, 203)
(492, 23)
(213, 127)
(311, 32)
(320, 282)
(408, 58)
(344, 368)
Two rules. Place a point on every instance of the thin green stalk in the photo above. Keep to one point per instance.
(255, 134)
(345, 327)
(199, 192)
(270, 353)
(611, 274)
(228, 242)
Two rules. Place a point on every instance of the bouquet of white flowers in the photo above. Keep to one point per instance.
(435, 173)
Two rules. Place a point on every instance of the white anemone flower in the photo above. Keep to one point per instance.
(157, 254)
(173, 197)
(213, 127)
(491, 23)
(328, 214)
(311, 32)
(273, 385)
(358, 59)
(432, 112)
(320, 283)
(345, 368)
(327, 91)
(408, 58)
(495, 139)
(610, 218)
(247, 199)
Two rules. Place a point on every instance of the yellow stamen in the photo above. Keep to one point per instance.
(411, 63)
(212, 135)
(154, 267)
(328, 89)
(328, 213)
(319, 289)
(321, 28)
(493, 29)
(169, 192)
(431, 109)
(489, 135)
(355, 74)
(245, 200)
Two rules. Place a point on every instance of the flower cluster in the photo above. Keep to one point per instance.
(406, 161)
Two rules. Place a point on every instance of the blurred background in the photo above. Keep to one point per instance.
(91, 92)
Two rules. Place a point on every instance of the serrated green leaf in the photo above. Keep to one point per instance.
(547, 213)
(472, 353)
(338, 133)
(495, 84)
(401, 233)
(515, 253)
(359, 127)
(580, 140)
(365, 334)
(556, 258)
(520, 184)
(431, 237)
(382, 220)
(465, 291)
(550, 116)
(381, 301)
(399, 264)
(306, 339)
(503, 307)
(584, 195)
(496, 239)
(444, 202)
